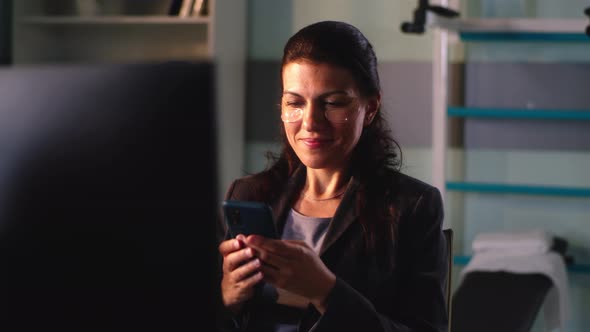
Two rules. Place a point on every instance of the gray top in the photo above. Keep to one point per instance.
(312, 230)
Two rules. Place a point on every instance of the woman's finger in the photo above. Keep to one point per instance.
(271, 274)
(276, 247)
(252, 280)
(228, 246)
(270, 258)
(246, 270)
(237, 258)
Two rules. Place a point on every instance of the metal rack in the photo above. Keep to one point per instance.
(445, 24)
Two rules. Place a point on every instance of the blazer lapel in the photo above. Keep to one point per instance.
(345, 215)
(282, 206)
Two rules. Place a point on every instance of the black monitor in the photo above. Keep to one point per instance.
(108, 197)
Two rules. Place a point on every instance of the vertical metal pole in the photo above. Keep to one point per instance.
(439, 106)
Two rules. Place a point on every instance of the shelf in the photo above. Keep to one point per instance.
(534, 114)
(516, 29)
(575, 268)
(110, 20)
(523, 37)
(497, 188)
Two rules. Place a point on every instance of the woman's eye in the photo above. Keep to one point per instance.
(293, 103)
(334, 103)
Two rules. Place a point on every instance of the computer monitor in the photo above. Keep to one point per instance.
(108, 197)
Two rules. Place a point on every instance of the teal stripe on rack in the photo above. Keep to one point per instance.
(513, 113)
(516, 36)
(575, 268)
(499, 188)
(461, 260)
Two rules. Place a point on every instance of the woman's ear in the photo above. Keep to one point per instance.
(371, 110)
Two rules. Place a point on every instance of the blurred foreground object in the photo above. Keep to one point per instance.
(107, 198)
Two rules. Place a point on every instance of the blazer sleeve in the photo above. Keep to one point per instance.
(226, 320)
(413, 297)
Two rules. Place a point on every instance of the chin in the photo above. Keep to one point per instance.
(315, 163)
(319, 163)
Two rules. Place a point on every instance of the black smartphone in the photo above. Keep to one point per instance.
(245, 217)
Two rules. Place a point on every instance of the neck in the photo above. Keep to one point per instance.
(322, 185)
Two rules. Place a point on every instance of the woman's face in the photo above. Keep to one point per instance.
(309, 90)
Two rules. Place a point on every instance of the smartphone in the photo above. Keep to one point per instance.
(245, 217)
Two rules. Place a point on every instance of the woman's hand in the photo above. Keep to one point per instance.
(294, 266)
(241, 272)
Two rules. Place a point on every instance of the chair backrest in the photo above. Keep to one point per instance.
(448, 233)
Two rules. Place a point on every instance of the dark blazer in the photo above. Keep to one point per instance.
(367, 296)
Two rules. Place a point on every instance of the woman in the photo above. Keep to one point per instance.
(361, 245)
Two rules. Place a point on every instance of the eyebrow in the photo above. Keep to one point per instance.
(326, 94)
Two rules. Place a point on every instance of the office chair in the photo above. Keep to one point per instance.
(498, 301)
(501, 301)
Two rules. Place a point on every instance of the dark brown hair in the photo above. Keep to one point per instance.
(376, 159)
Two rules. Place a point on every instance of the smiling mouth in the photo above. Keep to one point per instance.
(315, 143)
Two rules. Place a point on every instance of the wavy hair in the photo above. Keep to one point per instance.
(376, 159)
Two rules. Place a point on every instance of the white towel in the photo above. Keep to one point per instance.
(516, 243)
(551, 264)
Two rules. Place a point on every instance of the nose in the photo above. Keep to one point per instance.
(313, 117)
